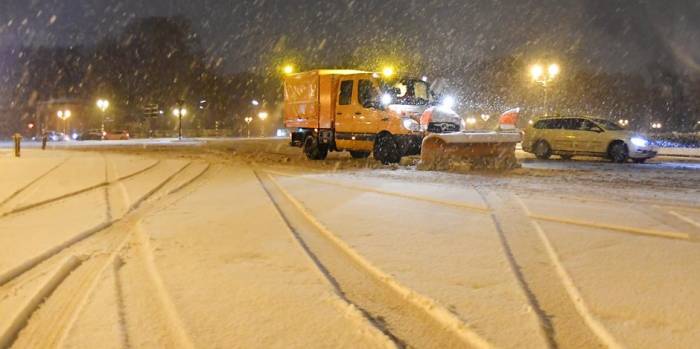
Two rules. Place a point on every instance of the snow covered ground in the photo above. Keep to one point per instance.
(244, 243)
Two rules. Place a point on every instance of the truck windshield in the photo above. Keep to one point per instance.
(412, 92)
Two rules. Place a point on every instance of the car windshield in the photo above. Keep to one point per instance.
(608, 125)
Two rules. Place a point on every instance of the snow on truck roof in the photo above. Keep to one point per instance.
(333, 72)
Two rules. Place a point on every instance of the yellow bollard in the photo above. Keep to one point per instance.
(18, 140)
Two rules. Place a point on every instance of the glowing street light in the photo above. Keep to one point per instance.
(544, 77)
(179, 112)
(536, 71)
(388, 72)
(255, 102)
(553, 70)
(102, 105)
(262, 116)
(288, 69)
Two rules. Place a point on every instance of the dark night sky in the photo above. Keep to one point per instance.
(620, 35)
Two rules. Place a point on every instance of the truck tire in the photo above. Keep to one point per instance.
(359, 154)
(313, 150)
(386, 150)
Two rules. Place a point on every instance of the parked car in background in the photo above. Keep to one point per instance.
(91, 135)
(55, 136)
(116, 136)
(587, 136)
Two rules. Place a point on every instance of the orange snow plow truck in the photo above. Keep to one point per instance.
(358, 112)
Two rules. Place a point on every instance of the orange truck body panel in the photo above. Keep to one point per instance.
(310, 98)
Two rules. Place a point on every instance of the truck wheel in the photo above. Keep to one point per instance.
(618, 152)
(313, 150)
(359, 154)
(542, 150)
(386, 150)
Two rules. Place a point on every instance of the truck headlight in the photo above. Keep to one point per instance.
(448, 102)
(640, 142)
(410, 124)
(386, 99)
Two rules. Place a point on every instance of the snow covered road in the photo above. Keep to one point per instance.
(245, 244)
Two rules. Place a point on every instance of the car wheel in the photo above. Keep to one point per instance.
(618, 152)
(313, 150)
(640, 161)
(359, 154)
(386, 150)
(566, 157)
(542, 150)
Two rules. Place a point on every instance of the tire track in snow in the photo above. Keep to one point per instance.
(34, 181)
(30, 263)
(121, 309)
(75, 193)
(20, 319)
(574, 294)
(486, 210)
(49, 331)
(560, 319)
(343, 302)
(462, 205)
(418, 310)
(685, 219)
(143, 251)
(614, 228)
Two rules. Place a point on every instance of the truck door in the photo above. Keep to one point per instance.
(369, 119)
(344, 109)
(354, 126)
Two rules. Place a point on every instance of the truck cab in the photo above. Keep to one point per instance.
(347, 110)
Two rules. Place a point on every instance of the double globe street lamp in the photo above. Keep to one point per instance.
(64, 115)
(544, 77)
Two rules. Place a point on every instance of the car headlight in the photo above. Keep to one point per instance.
(410, 124)
(640, 142)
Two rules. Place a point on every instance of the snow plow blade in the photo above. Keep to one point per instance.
(464, 151)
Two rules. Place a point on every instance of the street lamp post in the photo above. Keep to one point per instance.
(262, 116)
(102, 104)
(179, 111)
(544, 78)
(64, 115)
(248, 120)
